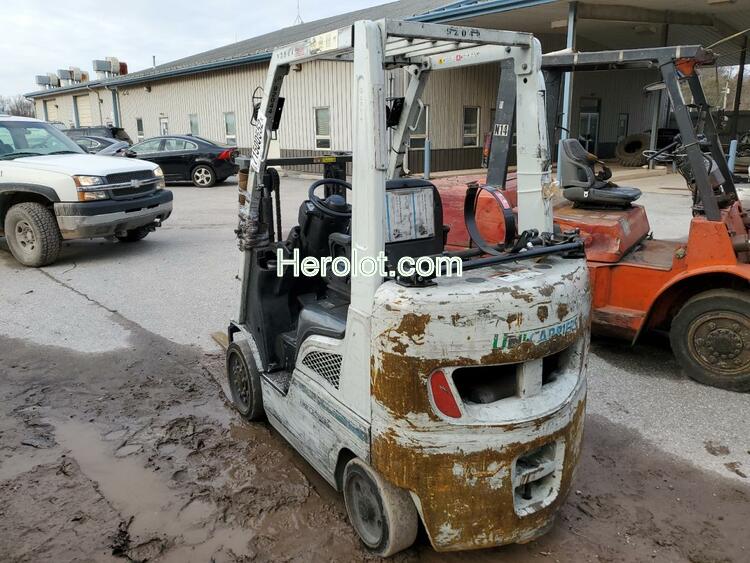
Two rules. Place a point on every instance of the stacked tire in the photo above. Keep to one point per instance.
(629, 151)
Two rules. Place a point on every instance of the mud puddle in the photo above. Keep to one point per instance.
(155, 510)
(137, 457)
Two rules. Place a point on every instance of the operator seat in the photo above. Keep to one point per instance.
(583, 186)
(327, 316)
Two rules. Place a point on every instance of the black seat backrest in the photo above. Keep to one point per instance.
(340, 244)
(576, 166)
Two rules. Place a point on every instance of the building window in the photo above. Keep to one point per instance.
(164, 125)
(322, 128)
(230, 128)
(139, 128)
(421, 131)
(194, 130)
(471, 127)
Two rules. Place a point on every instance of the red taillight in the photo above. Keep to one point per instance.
(226, 155)
(442, 395)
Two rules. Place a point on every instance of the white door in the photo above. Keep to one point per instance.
(164, 126)
(83, 106)
(51, 107)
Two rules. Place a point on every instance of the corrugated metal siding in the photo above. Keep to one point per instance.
(208, 95)
(328, 84)
(618, 92)
(317, 84)
(448, 92)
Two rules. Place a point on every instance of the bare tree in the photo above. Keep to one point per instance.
(17, 105)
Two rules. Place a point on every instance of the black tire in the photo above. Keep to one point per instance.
(32, 234)
(629, 151)
(710, 338)
(383, 515)
(134, 235)
(203, 176)
(244, 380)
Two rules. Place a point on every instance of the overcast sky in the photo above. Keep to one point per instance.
(38, 36)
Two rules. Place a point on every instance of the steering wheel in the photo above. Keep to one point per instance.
(320, 204)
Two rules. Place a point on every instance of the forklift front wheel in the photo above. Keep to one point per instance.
(384, 516)
(244, 380)
(710, 338)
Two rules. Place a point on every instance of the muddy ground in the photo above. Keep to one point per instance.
(137, 456)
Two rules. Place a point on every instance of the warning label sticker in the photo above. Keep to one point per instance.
(410, 214)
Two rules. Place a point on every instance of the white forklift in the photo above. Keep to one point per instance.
(454, 401)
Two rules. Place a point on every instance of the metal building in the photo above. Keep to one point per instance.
(210, 94)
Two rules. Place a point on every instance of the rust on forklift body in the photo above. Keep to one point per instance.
(463, 473)
(452, 481)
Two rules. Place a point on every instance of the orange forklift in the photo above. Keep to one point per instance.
(698, 290)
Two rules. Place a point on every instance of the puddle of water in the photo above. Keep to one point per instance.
(128, 449)
(135, 490)
(130, 487)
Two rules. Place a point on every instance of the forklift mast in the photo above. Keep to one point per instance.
(419, 49)
(674, 64)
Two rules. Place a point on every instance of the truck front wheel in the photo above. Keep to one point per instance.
(32, 234)
(710, 338)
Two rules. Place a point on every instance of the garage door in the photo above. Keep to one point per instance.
(51, 107)
(84, 111)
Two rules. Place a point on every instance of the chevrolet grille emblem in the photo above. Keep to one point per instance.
(135, 183)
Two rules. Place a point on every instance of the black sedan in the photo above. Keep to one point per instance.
(93, 144)
(187, 157)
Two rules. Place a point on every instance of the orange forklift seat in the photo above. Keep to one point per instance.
(609, 234)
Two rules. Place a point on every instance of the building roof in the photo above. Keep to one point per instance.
(259, 48)
(699, 23)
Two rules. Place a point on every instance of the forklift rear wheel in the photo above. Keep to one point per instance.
(244, 380)
(710, 338)
(384, 516)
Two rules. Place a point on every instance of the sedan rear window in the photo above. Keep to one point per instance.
(179, 145)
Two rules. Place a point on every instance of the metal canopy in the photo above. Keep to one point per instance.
(406, 43)
(566, 61)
